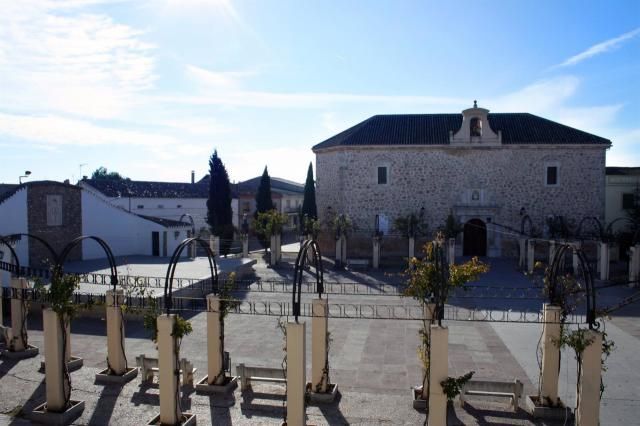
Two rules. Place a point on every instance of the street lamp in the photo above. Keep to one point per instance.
(27, 173)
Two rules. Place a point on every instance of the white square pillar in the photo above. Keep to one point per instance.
(115, 332)
(18, 325)
(634, 265)
(319, 329)
(343, 249)
(296, 374)
(438, 372)
(214, 245)
(273, 250)
(604, 261)
(550, 352)
(522, 260)
(588, 408)
(552, 251)
(55, 385)
(531, 255)
(412, 247)
(168, 372)
(376, 252)
(245, 245)
(452, 251)
(429, 314)
(214, 341)
(576, 261)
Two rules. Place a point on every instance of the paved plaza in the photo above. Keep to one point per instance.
(374, 362)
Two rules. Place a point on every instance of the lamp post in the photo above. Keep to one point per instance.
(27, 173)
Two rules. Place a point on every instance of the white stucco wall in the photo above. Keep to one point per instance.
(616, 186)
(13, 220)
(126, 233)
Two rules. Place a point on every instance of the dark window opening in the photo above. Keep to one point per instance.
(476, 127)
(140, 206)
(382, 175)
(552, 175)
(628, 201)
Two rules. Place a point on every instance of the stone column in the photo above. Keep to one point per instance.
(296, 373)
(319, 329)
(531, 255)
(588, 408)
(55, 385)
(339, 252)
(438, 371)
(552, 251)
(245, 245)
(604, 261)
(452, 251)
(522, 261)
(343, 249)
(273, 254)
(214, 339)
(412, 247)
(429, 312)
(634, 265)
(115, 333)
(550, 352)
(576, 261)
(279, 247)
(214, 245)
(168, 378)
(376, 252)
(193, 250)
(17, 315)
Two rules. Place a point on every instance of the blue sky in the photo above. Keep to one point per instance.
(149, 88)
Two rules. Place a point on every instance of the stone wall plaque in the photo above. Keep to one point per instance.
(54, 210)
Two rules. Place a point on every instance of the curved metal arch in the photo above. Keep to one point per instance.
(6, 242)
(526, 219)
(112, 263)
(171, 269)
(609, 228)
(593, 219)
(555, 291)
(299, 269)
(193, 223)
(42, 241)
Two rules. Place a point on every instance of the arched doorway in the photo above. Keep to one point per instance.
(475, 238)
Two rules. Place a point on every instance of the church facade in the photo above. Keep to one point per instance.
(488, 170)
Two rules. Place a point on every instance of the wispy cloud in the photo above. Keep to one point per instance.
(600, 48)
(56, 57)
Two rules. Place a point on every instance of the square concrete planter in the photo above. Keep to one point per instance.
(30, 352)
(41, 415)
(323, 397)
(560, 412)
(188, 419)
(74, 363)
(418, 402)
(230, 384)
(106, 378)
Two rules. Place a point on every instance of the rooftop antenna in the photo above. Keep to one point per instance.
(80, 166)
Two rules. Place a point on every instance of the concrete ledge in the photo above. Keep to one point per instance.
(418, 402)
(30, 352)
(203, 387)
(41, 415)
(559, 412)
(107, 378)
(73, 364)
(188, 419)
(323, 397)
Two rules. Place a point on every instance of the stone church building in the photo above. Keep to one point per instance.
(487, 169)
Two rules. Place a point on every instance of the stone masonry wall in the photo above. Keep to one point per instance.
(57, 236)
(442, 179)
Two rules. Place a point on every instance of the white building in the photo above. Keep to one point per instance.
(59, 212)
(621, 186)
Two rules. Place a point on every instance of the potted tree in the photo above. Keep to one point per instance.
(412, 226)
(430, 281)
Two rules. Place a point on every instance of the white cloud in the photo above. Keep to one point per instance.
(600, 48)
(55, 57)
(217, 79)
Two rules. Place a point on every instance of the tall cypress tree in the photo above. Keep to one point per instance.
(219, 213)
(264, 203)
(309, 208)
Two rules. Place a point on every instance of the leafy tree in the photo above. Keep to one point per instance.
(219, 213)
(309, 208)
(413, 225)
(101, 173)
(263, 204)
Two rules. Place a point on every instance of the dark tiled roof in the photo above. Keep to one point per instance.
(433, 129)
(251, 186)
(7, 190)
(168, 223)
(143, 189)
(622, 171)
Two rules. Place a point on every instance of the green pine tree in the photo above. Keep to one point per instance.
(309, 208)
(264, 203)
(219, 213)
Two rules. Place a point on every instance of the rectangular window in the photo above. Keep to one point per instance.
(160, 206)
(382, 175)
(179, 206)
(628, 201)
(140, 206)
(552, 175)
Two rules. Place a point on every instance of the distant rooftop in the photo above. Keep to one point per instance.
(623, 171)
(146, 189)
(251, 186)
